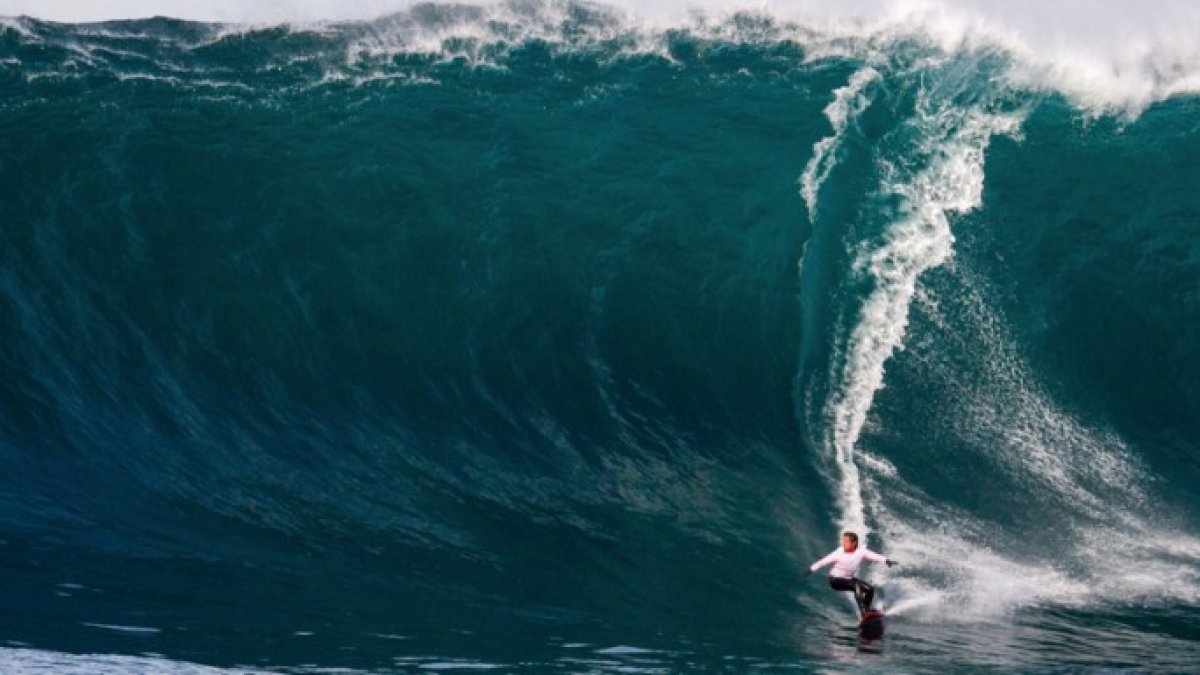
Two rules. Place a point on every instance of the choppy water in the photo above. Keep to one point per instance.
(532, 338)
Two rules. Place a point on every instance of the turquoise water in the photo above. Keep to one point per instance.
(543, 342)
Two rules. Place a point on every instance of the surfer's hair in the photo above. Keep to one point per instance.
(853, 537)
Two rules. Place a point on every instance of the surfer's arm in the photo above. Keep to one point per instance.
(873, 556)
(824, 561)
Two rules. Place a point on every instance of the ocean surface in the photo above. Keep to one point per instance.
(533, 338)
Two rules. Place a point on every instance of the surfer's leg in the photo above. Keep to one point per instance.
(851, 585)
(864, 594)
(839, 584)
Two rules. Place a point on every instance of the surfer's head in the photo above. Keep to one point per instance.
(849, 541)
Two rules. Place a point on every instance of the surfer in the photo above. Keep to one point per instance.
(845, 562)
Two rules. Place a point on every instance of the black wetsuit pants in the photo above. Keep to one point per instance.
(864, 593)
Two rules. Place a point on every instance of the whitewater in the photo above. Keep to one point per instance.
(563, 336)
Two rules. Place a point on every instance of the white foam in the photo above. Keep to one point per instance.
(953, 570)
(1106, 56)
(25, 661)
(950, 575)
(460, 665)
(848, 102)
(953, 139)
(124, 629)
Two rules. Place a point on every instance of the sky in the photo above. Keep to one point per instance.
(1103, 18)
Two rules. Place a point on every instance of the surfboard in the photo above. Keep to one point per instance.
(870, 626)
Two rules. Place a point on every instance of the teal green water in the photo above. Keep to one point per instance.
(568, 349)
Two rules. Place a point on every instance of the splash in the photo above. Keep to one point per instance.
(951, 148)
(1099, 544)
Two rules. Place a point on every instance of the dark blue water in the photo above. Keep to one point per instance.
(541, 342)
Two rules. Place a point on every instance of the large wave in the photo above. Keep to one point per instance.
(566, 310)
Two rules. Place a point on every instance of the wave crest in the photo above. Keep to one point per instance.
(1128, 64)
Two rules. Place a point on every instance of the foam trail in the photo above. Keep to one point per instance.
(956, 139)
(848, 102)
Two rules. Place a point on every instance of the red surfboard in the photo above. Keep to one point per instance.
(871, 624)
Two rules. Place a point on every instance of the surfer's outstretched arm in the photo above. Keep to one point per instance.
(875, 557)
(827, 560)
(868, 554)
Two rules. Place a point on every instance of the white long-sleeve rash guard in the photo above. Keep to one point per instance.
(845, 565)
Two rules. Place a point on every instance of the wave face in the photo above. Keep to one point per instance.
(531, 337)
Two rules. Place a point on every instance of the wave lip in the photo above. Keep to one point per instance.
(1108, 59)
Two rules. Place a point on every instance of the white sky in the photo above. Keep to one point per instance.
(1107, 17)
